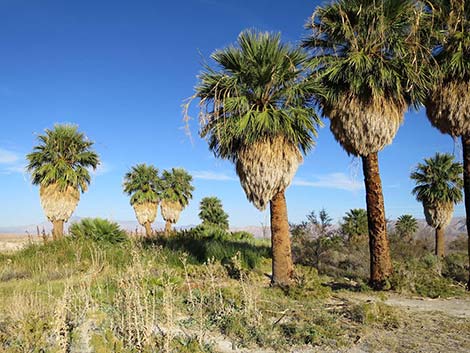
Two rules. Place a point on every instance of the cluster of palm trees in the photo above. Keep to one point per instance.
(363, 65)
(147, 189)
(60, 164)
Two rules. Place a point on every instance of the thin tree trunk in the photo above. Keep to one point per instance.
(380, 261)
(280, 242)
(57, 229)
(167, 227)
(466, 188)
(440, 246)
(148, 229)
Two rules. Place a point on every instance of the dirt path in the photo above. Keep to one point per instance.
(454, 307)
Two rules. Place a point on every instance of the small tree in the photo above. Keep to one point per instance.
(212, 213)
(60, 164)
(355, 226)
(143, 185)
(438, 186)
(406, 227)
(177, 191)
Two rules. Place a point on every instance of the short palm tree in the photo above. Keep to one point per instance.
(60, 164)
(438, 186)
(363, 54)
(448, 105)
(355, 225)
(256, 112)
(176, 193)
(406, 226)
(211, 212)
(143, 184)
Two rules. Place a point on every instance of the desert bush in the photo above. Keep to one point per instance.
(423, 276)
(98, 229)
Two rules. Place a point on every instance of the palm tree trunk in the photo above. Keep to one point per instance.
(466, 188)
(167, 227)
(57, 229)
(280, 242)
(440, 246)
(148, 229)
(380, 261)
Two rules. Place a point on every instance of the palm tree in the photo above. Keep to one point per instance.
(256, 112)
(142, 183)
(355, 224)
(59, 165)
(212, 212)
(438, 186)
(363, 54)
(176, 193)
(406, 226)
(448, 105)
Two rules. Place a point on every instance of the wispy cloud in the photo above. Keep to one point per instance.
(210, 175)
(7, 157)
(338, 181)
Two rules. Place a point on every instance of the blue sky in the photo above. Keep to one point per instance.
(121, 70)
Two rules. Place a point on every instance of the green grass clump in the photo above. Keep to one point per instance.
(98, 229)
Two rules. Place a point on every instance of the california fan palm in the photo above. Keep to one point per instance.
(59, 165)
(176, 193)
(364, 56)
(256, 112)
(448, 105)
(438, 186)
(142, 183)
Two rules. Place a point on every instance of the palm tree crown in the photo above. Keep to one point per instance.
(62, 158)
(143, 183)
(438, 180)
(452, 38)
(363, 55)
(406, 225)
(355, 223)
(176, 186)
(258, 92)
(256, 111)
(212, 212)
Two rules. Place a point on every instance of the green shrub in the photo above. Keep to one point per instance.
(455, 267)
(98, 229)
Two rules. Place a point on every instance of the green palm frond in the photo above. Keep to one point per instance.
(176, 186)
(438, 179)
(258, 90)
(143, 184)
(451, 38)
(63, 157)
(371, 50)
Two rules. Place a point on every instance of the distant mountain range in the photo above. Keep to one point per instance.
(455, 228)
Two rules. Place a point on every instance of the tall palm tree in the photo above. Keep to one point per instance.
(354, 224)
(448, 105)
(363, 54)
(59, 165)
(176, 193)
(142, 183)
(438, 186)
(256, 112)
(212, 212)
(406, 226)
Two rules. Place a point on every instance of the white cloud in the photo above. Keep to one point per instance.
(209, 175)
(338, 181)
(8, 157)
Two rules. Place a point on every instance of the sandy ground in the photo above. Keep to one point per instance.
(13, 242)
